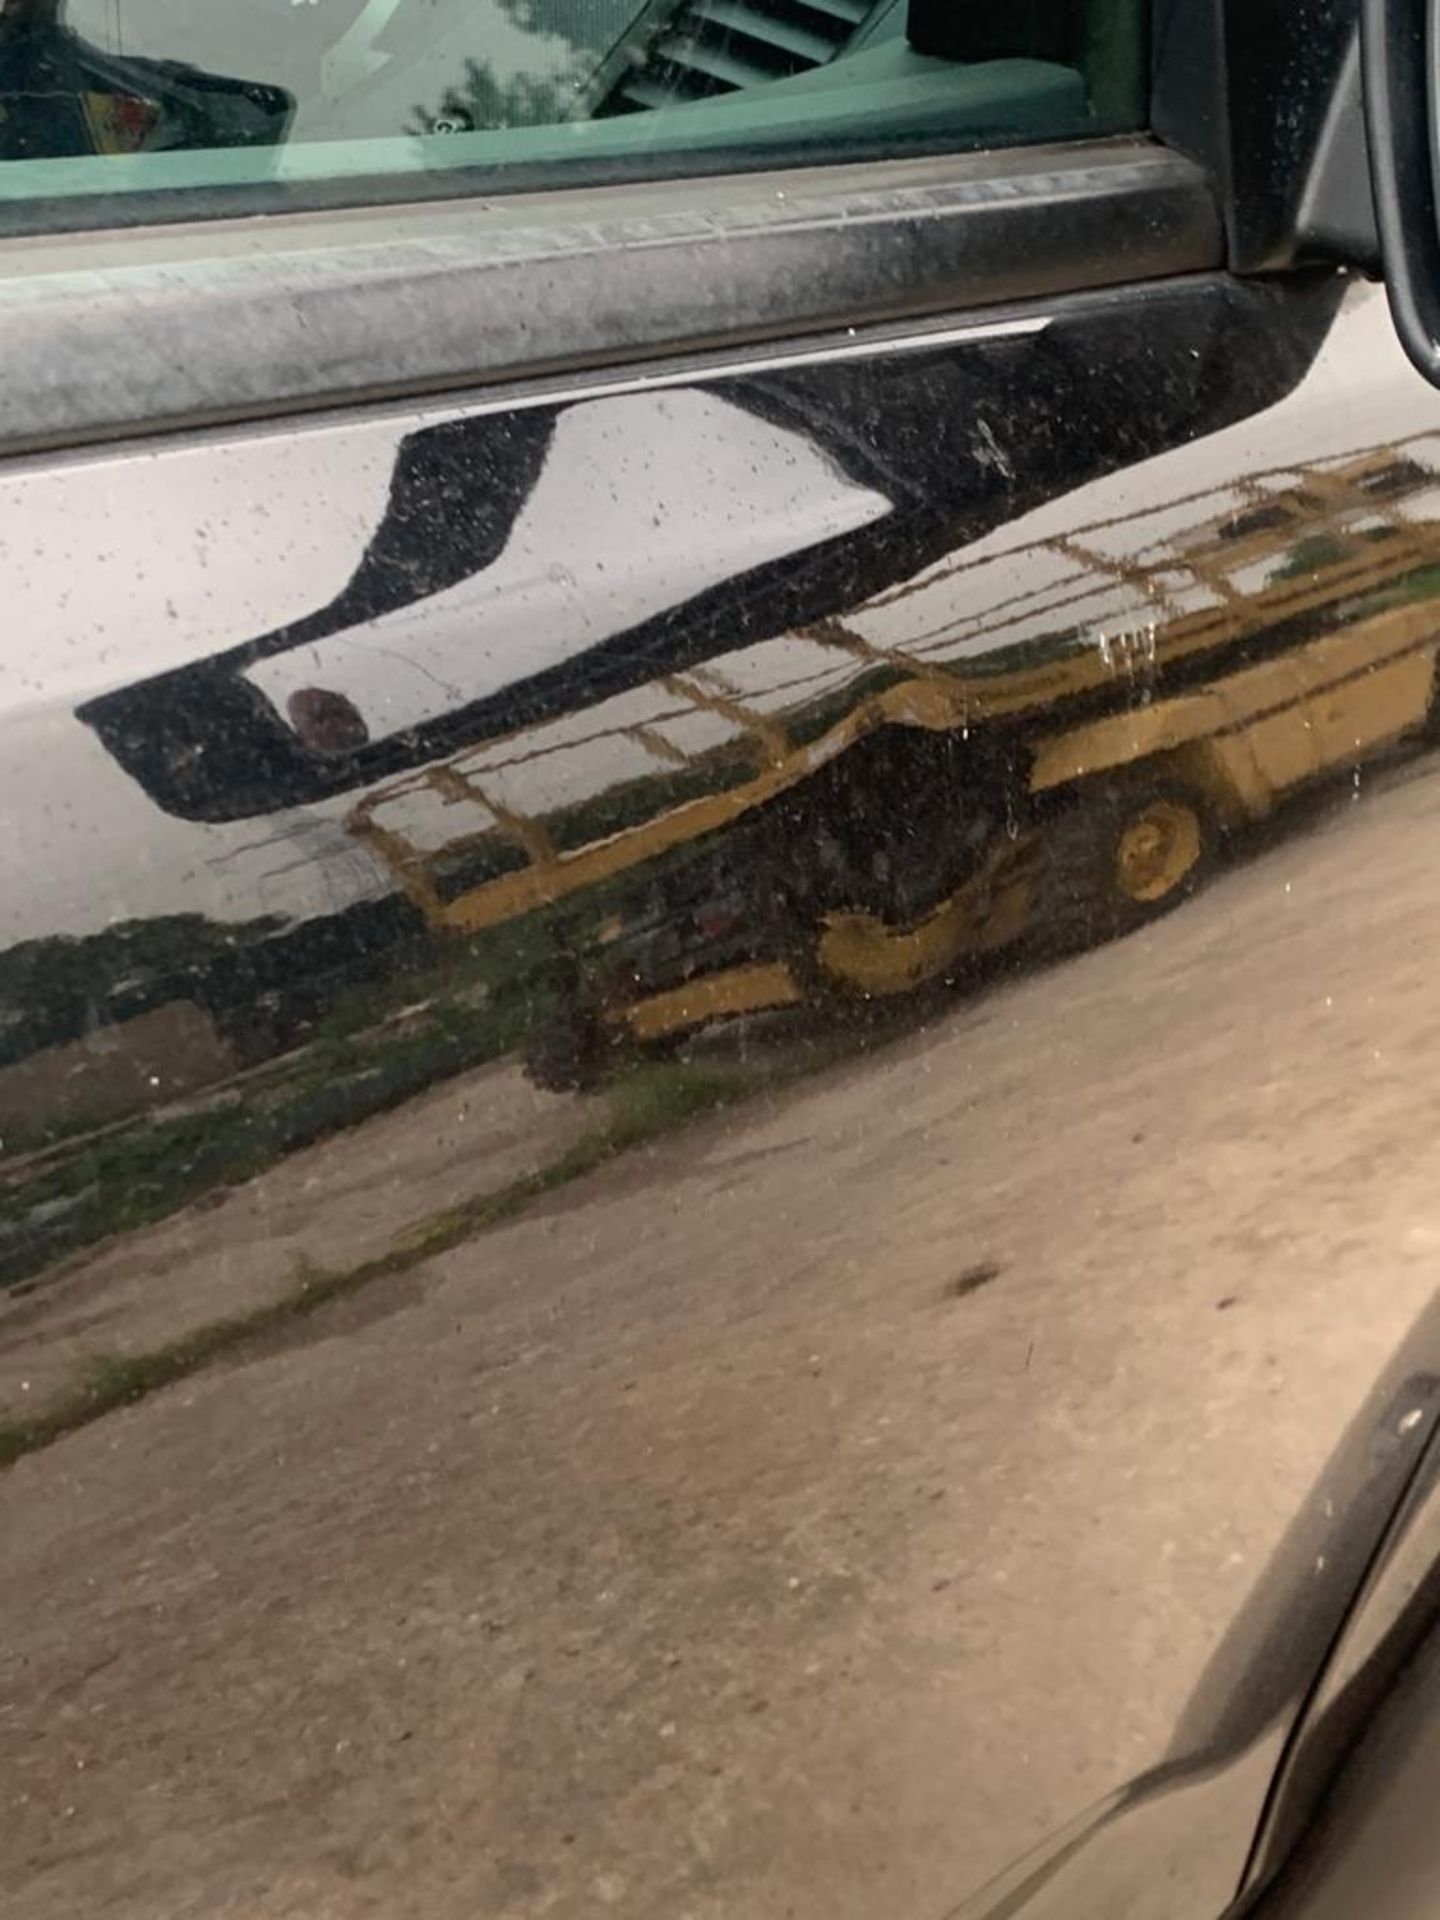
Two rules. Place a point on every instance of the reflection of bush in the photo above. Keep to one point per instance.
(264, 982)
(362, 1060)
(474, 861)
(57, 989)
(481, 102)
(1314, 554)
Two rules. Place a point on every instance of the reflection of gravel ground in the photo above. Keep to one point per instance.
(252, 1132)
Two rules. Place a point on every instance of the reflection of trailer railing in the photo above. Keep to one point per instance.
(1273, 555)
(1263, 523)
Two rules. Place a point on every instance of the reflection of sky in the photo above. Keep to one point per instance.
(356, 67)
(117, 566)
(582, 755)
(1360, 393)
(555, 765)
(84, 847)
(121, 567)
(644, 501)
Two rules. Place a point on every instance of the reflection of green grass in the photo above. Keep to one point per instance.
(141, 1173)
(1316, 553)
(644, 1106)
(1422, 584)
(135, 1175)
(647, 1105)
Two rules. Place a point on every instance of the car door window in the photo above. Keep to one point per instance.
(106, 96)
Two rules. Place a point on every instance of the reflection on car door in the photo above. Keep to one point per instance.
(820, 1462)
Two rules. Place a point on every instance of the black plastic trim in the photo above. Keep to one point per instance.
(1336, 220)
(143, 331)
(1374, 1847)
(1394, 50)
(1264, 94)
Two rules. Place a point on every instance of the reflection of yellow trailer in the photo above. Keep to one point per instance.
(1136, 747)
(1152, 786)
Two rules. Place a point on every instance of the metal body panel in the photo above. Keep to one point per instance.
(840, 1452)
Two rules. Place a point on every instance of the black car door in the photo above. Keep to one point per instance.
(619, 1291)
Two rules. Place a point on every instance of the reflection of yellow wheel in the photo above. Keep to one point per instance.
(1128, 848)
(1157, 848)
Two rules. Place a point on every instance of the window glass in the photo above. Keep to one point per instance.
(105, 97)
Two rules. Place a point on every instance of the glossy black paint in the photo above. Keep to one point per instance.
(937, 448)
(1142, 372)
(896, 1420)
